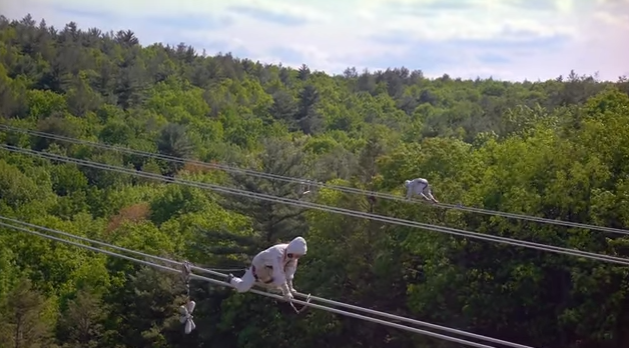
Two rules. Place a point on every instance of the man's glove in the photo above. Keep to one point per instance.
(291, 288)
(288, 295)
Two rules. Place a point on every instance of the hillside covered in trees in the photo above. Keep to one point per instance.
(557, 149)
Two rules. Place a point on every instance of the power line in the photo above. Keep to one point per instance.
(217, 282)
(348, 212)
(216, 272)
(302, 181)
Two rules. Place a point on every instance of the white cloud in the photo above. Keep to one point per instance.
(462, 38)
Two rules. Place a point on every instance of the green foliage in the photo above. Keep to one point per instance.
(556, 149)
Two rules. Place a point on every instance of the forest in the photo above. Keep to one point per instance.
(555, 149)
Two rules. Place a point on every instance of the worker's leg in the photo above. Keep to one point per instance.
(245, 283)
(409, 192)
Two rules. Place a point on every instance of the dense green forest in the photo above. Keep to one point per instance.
(556, 149)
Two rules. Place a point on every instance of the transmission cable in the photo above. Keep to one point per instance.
(221, 283)
(216, 272)
(314, 183)
(348, 212)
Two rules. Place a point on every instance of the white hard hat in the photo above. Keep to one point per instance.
(297, 246)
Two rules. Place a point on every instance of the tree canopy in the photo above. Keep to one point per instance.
(556, 149)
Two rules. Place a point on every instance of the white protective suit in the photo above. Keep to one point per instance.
(275, 266)
(420, 187)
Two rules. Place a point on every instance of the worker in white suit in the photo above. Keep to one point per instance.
(275, 266)
(420, 187)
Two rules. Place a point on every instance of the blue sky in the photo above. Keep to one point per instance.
(506, 39)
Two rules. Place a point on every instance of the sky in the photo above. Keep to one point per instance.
(504, 39)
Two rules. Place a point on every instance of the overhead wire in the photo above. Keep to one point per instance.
(216, 272)
(302, 181)
(321, 207)
(221, 283)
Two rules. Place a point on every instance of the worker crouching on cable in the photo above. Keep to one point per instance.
(421, 187)
(275, 266)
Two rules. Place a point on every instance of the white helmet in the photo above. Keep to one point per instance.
(297, 246)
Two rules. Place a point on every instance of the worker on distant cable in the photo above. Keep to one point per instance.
(419, 186)
(275, 266)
